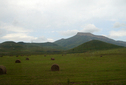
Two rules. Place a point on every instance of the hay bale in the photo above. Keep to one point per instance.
(27, 58)
(52, 58)
(3, 69)
(55, 67)
(18, 61)
(11, 55)
(1, 56)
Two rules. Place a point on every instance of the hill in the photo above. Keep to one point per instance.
(93, 45)
(10, 47)
(45, 46)
(81, 38)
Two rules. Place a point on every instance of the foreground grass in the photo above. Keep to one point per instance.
(80, 69)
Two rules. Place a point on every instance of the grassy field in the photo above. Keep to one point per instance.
(75, 69)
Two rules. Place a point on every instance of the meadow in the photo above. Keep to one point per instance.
(91, 68)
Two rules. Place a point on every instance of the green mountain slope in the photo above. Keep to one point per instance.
(81, 38)
(94, 45)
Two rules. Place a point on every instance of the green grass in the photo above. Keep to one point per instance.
(75, 69)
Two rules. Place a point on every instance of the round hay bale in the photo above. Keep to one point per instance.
(18, 61)
(52, 58)
(27, 58)
(55, 67)
(1, 56)
(11, 55)
(3, 69)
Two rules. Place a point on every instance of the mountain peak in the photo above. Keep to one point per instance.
(83, 37)
(85, 34)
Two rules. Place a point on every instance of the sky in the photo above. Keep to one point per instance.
(50, 20)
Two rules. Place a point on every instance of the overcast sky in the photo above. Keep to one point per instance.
(51, 20)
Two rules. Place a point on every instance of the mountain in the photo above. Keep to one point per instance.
(93, 45)
(47, 45)
(81, 38)
(10, 47)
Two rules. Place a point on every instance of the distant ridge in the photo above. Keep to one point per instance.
(94, 45)
(81, 38)
(13, 48)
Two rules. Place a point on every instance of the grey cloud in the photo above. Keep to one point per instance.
(26, 15)
(118, 25)
(117, 34)
(2, 32)
(60, 12)
(90, 28)
(15, 23)
(68, 32)
(87, 28)
(14, 33)
(18, 37)
(42, 39)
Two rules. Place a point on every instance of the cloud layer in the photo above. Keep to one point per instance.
(48, 20)
(118, 25)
